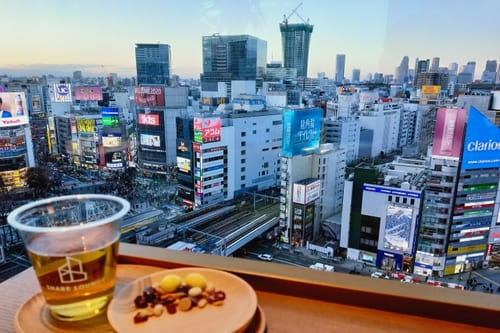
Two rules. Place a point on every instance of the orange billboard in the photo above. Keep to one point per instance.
(431, 90)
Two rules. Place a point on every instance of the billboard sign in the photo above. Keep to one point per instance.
(110, 121)
(431, 90)
(110, 116)
(207, 130)
(13, 109)
(392, 191)
(110, 112)
(306, 193)
(149, 96)
(36, 104)
(111, 140)
(448, 132)
(482, 143)
(149, 119)
(88, 93)
(301, 131)
(397, 230)
(150, 140)
(184, 164)
(85, 125)
(62, 92)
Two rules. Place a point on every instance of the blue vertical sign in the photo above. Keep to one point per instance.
(301, 131)
(482, 143)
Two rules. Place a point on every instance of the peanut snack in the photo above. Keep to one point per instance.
(174, 293)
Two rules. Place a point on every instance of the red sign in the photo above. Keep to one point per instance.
(148, 96)
(149, 119)
(211, 129)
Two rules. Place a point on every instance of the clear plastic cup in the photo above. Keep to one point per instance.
(73, 243)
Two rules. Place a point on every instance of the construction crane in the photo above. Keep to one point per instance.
(294, 11)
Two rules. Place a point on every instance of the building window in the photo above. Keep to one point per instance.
(243, 134)
(243, 143)
(243, 161)
(243, 169)
(254, 132)
(242, 177)
(243, 152)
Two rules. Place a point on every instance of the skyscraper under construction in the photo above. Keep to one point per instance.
(295, 40)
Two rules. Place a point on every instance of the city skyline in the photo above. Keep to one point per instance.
(97, 38)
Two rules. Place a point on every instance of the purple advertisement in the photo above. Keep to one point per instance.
(88, 93)
(449, 132)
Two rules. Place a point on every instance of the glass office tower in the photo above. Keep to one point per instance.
(233, 57)
(295, 40)
(153, 63)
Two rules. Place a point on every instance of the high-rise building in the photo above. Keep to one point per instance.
(153, 63)
(489, 73)
(402, 71)
(356, 73)
(339, 68)
(228, 58)
(435, 64)
(460, 196)
(216, 154)
(421, 66)
(157, 108)
(453, 68)
(16, 148)
(295, 40)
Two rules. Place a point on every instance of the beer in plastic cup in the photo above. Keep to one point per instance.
(73, 242)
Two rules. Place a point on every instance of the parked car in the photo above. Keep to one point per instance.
(410, 279)
(265, 256)
(379, 275)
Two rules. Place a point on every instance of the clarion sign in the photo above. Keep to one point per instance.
(483, 146)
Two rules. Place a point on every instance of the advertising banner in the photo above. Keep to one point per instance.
(62, 93)
(85, 125)
(110, 121)
(150, 140)
(397, 228)
(211, 129)
(111, 140)
(149, 96)
(207, 129)
(36, 104)
(110, 112)
(149, 119)
(88, 93)
(306, 193)
(449, 132)
(431, 90)
(301, 131)
(482, 143)
(13, 109)
(184, 164)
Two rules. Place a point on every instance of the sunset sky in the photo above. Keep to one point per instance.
(97, 37)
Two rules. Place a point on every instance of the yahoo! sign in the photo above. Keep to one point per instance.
(482, 143)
